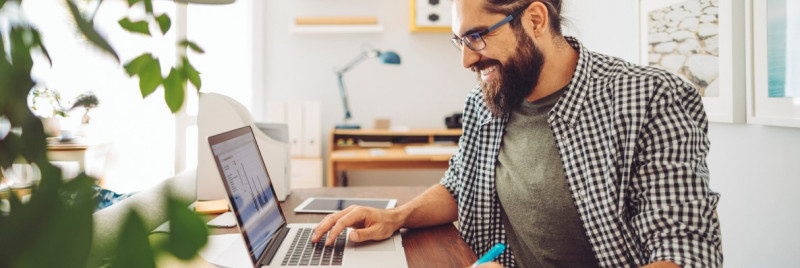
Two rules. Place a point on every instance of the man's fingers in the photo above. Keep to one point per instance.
(355, 216)
(326, 224)
(374, 232)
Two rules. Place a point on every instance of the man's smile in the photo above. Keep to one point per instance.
(487, 74)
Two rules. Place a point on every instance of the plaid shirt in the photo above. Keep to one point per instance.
(633, 144)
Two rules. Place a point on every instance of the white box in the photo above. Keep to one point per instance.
(312, 112)
(294, 118)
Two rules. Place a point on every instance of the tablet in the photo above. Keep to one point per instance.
(336, 204)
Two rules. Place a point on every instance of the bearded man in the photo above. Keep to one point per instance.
(571, 158)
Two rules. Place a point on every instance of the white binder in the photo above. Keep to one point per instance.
(312, 144)
(294, 118)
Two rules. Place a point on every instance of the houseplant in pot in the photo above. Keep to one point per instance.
(87, 101)
(46, 104)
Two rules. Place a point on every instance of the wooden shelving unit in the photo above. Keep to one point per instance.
(344, 152)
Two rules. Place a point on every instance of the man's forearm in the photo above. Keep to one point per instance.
(433, 207)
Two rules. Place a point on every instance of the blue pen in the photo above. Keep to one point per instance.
(491, 255)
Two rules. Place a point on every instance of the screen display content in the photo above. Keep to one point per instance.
(250, 189)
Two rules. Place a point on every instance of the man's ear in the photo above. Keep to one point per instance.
(538, 16)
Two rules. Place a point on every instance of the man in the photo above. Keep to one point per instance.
(571, 158)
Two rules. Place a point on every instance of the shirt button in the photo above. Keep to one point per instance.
(582, 194)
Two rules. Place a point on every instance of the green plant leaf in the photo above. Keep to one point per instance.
(150, 77)
(132, 2)
(10, 147)
(134, 247)
(88, 31)
(191, 73)
(192, 45)
(2, 2)
(148, 6)
(74, 227)
(55, 227)
(173, 90)
(20, 50)
(188, 232)
(164, 23)
(135, 66)
(2, 43)
(33, 140)
(134, 26)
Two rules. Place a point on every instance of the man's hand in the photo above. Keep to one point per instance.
(435, 206)
(662, 264)
(368, 224)
(490, 265)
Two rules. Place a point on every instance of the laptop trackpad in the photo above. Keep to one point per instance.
(383, 245)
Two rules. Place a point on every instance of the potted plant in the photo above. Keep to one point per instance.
(88, 101)
(46, 104)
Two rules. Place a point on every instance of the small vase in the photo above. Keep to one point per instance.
(85, 119)
(52, 126)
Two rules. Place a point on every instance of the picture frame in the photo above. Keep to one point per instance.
(764, 108)
(702, 41)
(430, 16)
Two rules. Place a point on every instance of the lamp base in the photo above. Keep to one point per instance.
(347, 126)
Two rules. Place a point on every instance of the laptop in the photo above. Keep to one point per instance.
(269, 240)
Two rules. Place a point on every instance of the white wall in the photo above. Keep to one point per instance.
(756, 169)
(428, 85)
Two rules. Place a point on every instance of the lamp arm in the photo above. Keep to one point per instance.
(339, 73)
(353, 63)
(343, 94)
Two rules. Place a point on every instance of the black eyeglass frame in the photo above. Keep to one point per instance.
(459, 42)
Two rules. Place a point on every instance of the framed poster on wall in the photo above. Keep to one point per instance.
(774, 82)
(702, 41)
(430, 15)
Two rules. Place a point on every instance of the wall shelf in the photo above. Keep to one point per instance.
(335, 29)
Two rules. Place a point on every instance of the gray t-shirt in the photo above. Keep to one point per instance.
(542, 222)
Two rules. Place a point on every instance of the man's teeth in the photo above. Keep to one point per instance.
(488, 70)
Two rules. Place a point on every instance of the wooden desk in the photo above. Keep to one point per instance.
(342, 158)
(73, 152)
(438, 246)
(76, 152)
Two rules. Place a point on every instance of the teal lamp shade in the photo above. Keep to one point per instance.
(389, 57)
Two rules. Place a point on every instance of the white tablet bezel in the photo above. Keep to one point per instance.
(302, 207)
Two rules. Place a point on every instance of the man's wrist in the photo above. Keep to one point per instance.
(399, 216)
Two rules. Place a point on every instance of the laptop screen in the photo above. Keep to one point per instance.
(249, 189)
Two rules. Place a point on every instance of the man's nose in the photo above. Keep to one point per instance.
(469, 57)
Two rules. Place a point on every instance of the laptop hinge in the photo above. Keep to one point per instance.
(273, 248)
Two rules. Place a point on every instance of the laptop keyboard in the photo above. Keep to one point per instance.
(304, 252)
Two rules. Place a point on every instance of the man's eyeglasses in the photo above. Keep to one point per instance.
(475, 41)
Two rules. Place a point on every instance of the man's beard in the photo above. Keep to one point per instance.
(516, 79)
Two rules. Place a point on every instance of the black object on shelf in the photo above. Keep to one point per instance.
(453, 121)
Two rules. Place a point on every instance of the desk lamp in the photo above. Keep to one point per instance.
(387, 57)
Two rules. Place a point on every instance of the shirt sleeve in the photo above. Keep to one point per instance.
(451, 178)
(674, 211)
